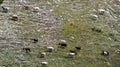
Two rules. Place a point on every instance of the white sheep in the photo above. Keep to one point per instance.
(50, 49)
(42, 54)
(93, 16)
(71, 55)
(14, 17)
(36, 9)
(63, 41)
(106, 13)
(101, 11)
(43, 64)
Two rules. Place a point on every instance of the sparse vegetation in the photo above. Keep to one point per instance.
(1, 1)
(36, 35)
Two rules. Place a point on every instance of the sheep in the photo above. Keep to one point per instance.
(14, 17)
(93, 16)
(42, 54)
(34, 40)
(44, 64)
(73, 51)
(50, 49)
(63, 43)
(27, 49)
(106, 13)
(26, 7)
(71, 55)
(5, 9)
(105, 53)
(101, 11)
(78, 48)
(36, 9)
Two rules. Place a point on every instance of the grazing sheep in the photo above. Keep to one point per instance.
(26, 7)
(5, 9)
(101, 11)
(42, 54)
(73, 51)
(93, 16)
(50, 49)
(78, 48)
(105, 53)
(27, 49)
(106, 13)
(44, 64)
(71, 55)
(63, 43)
(14, 17)
(34, 40)
(36, 9)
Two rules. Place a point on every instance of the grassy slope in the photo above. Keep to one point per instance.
(79, 26)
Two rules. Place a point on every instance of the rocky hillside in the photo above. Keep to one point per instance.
(28, 27)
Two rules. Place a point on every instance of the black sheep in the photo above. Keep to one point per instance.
(78, 48)
(34, 40)
(63, 44)
(27, 49)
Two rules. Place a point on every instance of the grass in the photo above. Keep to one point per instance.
(92, 35)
